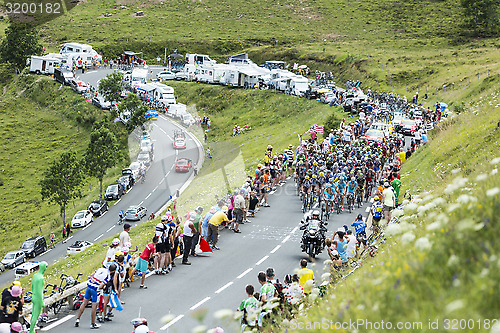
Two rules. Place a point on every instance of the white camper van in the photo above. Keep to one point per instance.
(138, 76)
(44, 64)
(79, 55)
(199, 59)
(298, 85)
(163, 93)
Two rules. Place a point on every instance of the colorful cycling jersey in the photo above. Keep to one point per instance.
(329, 193)
(321, 180)
(377, 209)
(306, 183)
(341, 185)
(267, 289)
(351, 187)
(359, 226)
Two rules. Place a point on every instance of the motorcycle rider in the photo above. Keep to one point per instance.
(309, 220)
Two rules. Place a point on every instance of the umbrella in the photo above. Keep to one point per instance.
(303, 66)
(176, 55)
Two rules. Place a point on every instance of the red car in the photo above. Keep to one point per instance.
(183, 165)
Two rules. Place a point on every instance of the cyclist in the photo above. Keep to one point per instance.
(341, 191)
(315, 184)
(350, 190)
(328, 195)
(121, 215)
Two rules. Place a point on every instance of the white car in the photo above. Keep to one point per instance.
(82, 218)
(165, 75)
(78, 246)
(384, 127)
(136, 169)
(146, 146)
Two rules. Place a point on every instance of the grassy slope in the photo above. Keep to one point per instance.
(34, 136)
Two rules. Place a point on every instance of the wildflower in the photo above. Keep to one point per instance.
(407, 237)
(494, 172)
(481, 177)
(433, 226)
(410, 207)
(452, 207)
(453, 260)
(494, 161)
(423, 244)
(398, 212)
(223, 313)
(455, 305)
(465, 199)
(393, 229)
(199, 329)
(493, 192)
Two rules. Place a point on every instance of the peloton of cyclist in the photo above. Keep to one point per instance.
(350, 190)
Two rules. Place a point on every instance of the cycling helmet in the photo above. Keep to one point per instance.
(360, 216)
(309, 171)
(307, 177)
(328, 185)
(269, 147)
(377, 198)
(315, 163)
(118, 253)
(321, 174)
(167, 218)
(16, 327)
(353, 179)
(259, 166)
(290, 146)
(315, 176)
(142, 329)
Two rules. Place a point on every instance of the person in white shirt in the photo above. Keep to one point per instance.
(110, 253)
(187, 238)
(351, 245)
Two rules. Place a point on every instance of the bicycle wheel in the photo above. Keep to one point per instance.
(56, 307)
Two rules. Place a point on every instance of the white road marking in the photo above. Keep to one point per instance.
(57, 323)
(130, 189)
(98, 237)
(67, 239)
(176, 319)
(170, 169)
(272, 192)
(161, 129)
(367, 209)
(224, 287)
(276, 248)
(149, 274)
(88, 225)
(117, 201)
(162, 180)
(294, 229)
(46, 252)
(170, 137)
(372, 200)
(147, 196)
(285, 239)
(140, 203)
(176, 152)
(154, 189)
(199, 303)
(114, 225)
(261, 260)
(244, 273)
(104, 213)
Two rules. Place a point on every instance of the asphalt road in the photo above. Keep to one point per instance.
(217, 281)
(161, 182)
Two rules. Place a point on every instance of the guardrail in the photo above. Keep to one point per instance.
(66, 294)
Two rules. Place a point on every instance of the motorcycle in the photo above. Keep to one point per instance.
(313, 239)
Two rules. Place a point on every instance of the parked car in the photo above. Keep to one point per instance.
(26, 269)
(374, 135)
(114, 192)
(98, 207)
(33, 246)
(144, 158)
(63, 75)
(181, 75)
(101, 103)
(78, 86)
(165, 75)
(183, 165)
(130, 174)
(77, 247)
(146, 146)
(187, 120)
(82, 218)
(14, 258)
(327, 97)
(135, 213)
(125, 181)
(136, 169)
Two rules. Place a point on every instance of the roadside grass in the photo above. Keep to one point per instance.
(38, 122)
(441, 260)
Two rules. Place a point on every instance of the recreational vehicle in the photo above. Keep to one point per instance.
(44, 64)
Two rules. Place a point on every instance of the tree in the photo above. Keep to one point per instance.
(111, 86)
(102, 153)
(481, 16)
(62, 181)
(21, 41)
(133, 105)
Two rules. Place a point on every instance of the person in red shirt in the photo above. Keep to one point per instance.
(143, 261)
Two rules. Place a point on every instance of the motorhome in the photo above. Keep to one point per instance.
(44, 64)
(138, 76)
(176, 110)
(163, 93)
(204, 73)
(145, 90)
(298, 85)
(199, 59)
(79, 55)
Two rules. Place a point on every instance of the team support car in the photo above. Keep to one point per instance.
(26, 269)
(135, 213)
(78, 86)
(144, 158)
(151, 114)
(374, 135)
(14, 258)
(179, 140)
(82, 218)
(384, 127)
(98, 207)
(34, 246)
(409, 126)
(77, 247)
(183, 165)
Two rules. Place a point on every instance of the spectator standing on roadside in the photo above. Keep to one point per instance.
(110, 253)
(396, 185)
(294, 293)
(250, 308)
(164, 234)
(124, 235)
(68, 229)
(239, 207)
(213, 226)
(176, 230)
(12, 306)
(351, 245)
(143, 261)
(305, 274)
(187, 238)
(389, 201)
(197, 225)
(52, 240)
(64, 233)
